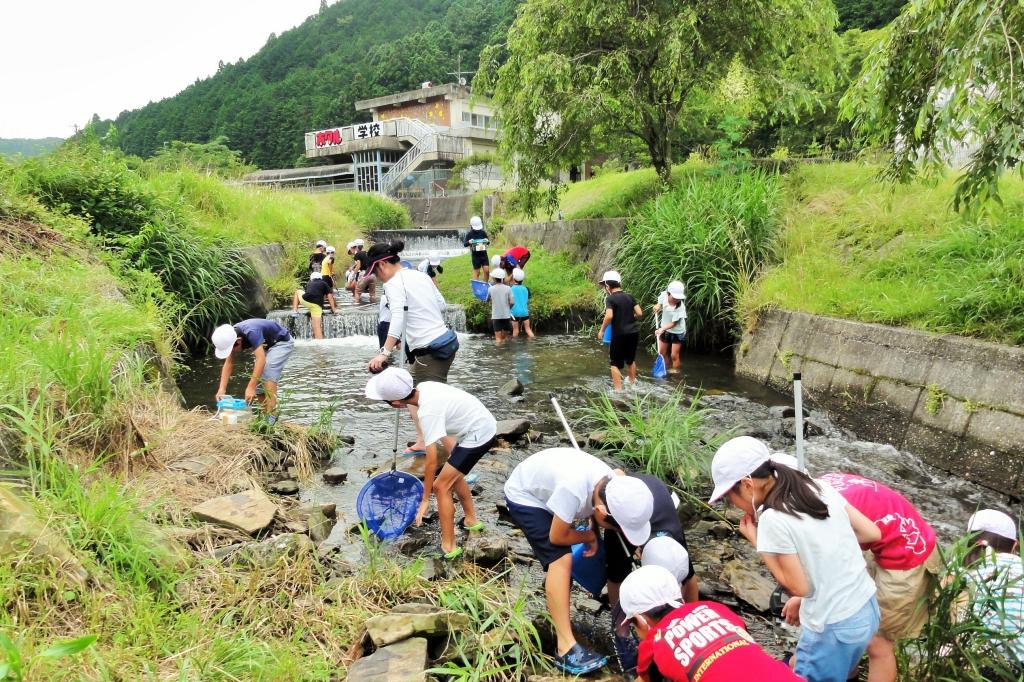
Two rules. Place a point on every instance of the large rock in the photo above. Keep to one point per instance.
(267, 553)
(21, 530)
(749, 585)
(319, 526)
(512, 429)
(486, 549)
(512, 388)
(402, 662)
(335, 475)
(286, 487)
(408, 620)
(249, 511)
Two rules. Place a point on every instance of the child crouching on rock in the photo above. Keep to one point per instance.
(550, 496)
(809, 537)
(462, 424)
(700, 640)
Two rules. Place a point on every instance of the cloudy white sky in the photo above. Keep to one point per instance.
(61, 61)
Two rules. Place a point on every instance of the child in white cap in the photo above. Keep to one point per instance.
(271, 345)
(809, 537)
(701, 640)
(455, 419)
(500, 296)
(671, 333)
(476, 241)
(431, 266)
(621, 313)
(521, 305)
(996, 578)
(550, 496)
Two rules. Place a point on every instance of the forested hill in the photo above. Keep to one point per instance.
(28, 147)
(310, 77)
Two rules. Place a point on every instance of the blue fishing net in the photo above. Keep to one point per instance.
(480, 289)
(659, 371)
(387, 503)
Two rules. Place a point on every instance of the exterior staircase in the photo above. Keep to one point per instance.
(428, 145)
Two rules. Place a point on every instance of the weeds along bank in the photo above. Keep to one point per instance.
(826, 238)
(98, 545)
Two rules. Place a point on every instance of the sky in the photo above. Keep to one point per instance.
(61, 61)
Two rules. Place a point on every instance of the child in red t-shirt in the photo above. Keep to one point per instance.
(904, 565)
(701, 641)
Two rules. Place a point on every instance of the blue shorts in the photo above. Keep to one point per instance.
(464, 459)
(277, 356)
(535, 522)
(830, 655)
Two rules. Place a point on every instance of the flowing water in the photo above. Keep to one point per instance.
(332, 372)
(418, 243)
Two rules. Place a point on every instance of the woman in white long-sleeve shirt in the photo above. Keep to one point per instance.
(417, 311)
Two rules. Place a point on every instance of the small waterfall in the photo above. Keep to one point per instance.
(418, 243)
(352, 321)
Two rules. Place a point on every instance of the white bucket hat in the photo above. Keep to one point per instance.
(676, 290)
(495, 260)
(498, 273)
(434, 257)
(358, 242)
(320, 242)
(993, 521)
(223, 339)
(666, 552)
(734, 461)
(316, 275)
(330, 249)
(476, 223)
(631, 503)
(393, 383)
(611, 276)
(518, 274)
(648, 588)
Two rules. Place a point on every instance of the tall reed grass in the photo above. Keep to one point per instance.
(666, 439)
(713, 233)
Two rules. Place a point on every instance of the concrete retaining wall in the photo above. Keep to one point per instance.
(592, 240)
(267, 260)
(957, 402)
(439, 211)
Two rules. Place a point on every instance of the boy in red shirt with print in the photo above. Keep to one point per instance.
(701, 641)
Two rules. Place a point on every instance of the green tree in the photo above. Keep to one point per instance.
(947, 75)
(582, 73)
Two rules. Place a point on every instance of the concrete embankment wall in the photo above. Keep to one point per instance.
(957, 402)
(439, 211)
(592, 240)
(267, 260)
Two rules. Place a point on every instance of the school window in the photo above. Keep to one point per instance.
(465, 117)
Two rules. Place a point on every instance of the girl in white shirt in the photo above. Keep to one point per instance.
(810, 538)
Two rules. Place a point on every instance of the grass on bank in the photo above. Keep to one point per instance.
(854, 248)
(559, 287)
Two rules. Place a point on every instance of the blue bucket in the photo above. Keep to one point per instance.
(589, 571)
(607, 334)
(480, 289)
(388, 502)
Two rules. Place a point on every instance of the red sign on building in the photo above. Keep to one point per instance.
(325, 138)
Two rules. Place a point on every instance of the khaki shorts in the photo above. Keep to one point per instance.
(903, 596)
(314, 309)
(428, 368)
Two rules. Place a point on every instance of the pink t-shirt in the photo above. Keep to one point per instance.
(907, 539)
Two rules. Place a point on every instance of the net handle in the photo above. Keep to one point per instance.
(401, 364)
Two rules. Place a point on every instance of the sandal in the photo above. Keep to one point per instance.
(452, 555)
(475, 528)
(409, 452)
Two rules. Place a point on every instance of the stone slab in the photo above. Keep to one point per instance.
(405, 661)
(249, 511)
(404, 622)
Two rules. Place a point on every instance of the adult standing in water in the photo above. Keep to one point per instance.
(271, 344)
(417, 312)
(476, 241)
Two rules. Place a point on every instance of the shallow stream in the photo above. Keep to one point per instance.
(321, 373)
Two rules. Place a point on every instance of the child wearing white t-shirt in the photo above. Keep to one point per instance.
(809, 537)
